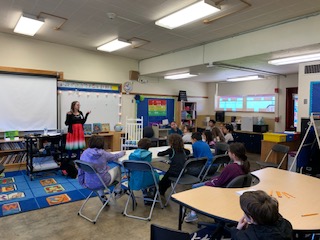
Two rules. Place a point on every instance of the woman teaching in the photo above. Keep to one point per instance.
(75, 137)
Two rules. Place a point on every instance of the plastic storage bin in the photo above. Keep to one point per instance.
(274, 137)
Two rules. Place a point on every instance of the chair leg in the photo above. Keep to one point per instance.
(93, 220)
(171, 192)
(154, 201)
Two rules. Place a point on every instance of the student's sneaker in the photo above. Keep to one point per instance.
(103, 199)
(190, 217)
(119, 193)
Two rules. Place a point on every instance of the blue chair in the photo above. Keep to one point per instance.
(131, 166)
(88, 168)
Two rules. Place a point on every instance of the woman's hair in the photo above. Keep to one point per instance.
(216, 132)
(239, 150)
(176, 143)
(72, 105)
(197, 136)
(144, 143)
(263, 209)
(96, 141)
(208, 135)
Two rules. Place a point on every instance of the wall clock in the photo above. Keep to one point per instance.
(127, 87)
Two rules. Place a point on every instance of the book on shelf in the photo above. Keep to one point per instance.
(10, 196)
(97, 127)
(10, 208)
(87, 128)
(105, 127)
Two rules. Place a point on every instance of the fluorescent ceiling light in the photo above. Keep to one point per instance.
(28, 25)
(114, 45)
(247, 78)
(188, 14)
(296, 59)
(180, 76)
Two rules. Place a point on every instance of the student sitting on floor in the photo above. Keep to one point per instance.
(240, 166)
(139, 179)
(201, 149)
(261, 219)
(177, 155)
(99, 158)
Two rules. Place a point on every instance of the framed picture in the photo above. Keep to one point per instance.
(97, 127)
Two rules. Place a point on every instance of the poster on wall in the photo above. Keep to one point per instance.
(157, 108)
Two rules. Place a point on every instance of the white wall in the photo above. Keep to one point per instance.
(256, 87)
(304, 91)
(90, 66)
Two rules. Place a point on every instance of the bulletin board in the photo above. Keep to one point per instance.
(103, 100)
(154, 110)
(314, 97)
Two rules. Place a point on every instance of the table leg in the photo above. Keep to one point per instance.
(181, 216)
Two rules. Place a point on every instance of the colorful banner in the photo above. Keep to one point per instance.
(157, 108)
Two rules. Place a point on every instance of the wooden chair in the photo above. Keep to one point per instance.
(276, 149)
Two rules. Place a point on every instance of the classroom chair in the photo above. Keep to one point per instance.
(240, 181)
(131, 166)
(187, 179)
(1, 168)
(276, 149)
(218, 160)
(221, 148)
(88, 168)
(149, 133)
(160, 233)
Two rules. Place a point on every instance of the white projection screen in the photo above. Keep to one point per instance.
(27, 103)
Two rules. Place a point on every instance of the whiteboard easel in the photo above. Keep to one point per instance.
(315, 123)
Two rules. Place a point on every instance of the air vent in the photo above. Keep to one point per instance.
(312, 69)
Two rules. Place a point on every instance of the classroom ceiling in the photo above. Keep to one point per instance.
(88, 24)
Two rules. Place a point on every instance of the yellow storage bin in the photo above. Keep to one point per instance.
(274, 137)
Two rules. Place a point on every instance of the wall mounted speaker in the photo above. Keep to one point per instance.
(134, 75)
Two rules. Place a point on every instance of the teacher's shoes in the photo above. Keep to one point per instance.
(191, 217)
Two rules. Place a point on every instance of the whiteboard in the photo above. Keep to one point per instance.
(104, 105)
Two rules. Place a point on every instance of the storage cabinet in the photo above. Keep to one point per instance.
(13, 153)
(43, 152)
(251, 140)
(187, 114)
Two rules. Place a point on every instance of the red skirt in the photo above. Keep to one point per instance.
(75, 140)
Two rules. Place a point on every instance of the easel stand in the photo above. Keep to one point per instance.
(315, 124)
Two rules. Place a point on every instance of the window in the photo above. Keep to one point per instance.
(250, 103)
(260, 103)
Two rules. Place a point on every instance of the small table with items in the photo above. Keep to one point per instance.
(43, 152)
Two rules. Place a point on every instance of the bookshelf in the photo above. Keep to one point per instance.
(13, 153)
(187, 114)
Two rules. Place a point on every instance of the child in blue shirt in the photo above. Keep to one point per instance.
(139, 179)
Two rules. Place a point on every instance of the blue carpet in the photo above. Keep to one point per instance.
(34, 194)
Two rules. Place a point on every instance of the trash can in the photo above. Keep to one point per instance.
(291, 156)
